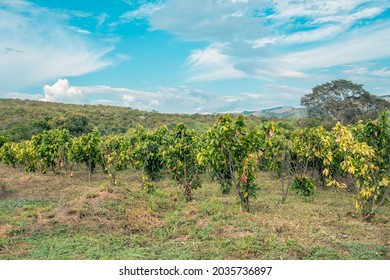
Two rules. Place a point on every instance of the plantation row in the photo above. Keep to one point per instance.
(354, 156)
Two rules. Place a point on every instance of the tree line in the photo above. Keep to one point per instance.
(355, 156)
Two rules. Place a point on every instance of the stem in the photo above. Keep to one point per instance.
(187, 188)
(284, 196)
(89, 166)
(384, 198)
(244, 201)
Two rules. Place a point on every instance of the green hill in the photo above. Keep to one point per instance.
(20, 119)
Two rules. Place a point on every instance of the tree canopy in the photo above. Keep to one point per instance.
(343, 101)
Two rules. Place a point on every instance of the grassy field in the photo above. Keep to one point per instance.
(58, 217)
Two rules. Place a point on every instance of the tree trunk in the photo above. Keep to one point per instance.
(285, 164)
(113, 179)
(244, 204)
(186, 186)
(284, 193)
(89, 166)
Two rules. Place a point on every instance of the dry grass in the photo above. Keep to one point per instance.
(55, 216)
(4, 230)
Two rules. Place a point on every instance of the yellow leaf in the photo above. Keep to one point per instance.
(246, 194)
(357, 205)
(200, 158)
(384, 182)
(330, 183)
(325, 172)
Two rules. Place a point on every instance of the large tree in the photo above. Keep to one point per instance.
(77, 124)
(343, 101)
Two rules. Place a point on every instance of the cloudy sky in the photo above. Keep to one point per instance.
(190, 56)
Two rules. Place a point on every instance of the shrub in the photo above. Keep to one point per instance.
(304, 185)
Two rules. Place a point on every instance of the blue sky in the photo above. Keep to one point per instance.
(190, 56)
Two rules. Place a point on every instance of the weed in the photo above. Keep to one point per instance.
(47, 217)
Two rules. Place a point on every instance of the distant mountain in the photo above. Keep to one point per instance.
(288, 112)
(385, 97)
(284, 112)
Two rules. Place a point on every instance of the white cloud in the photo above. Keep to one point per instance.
(144, 11)
(163, 99)
(47, 47)
(250, 39)
(350, 18)
(273, 95)
(237, 1)
(291, 90)
(79, 30)
(61, 91)
(324, 20)
(319, 34)
(314, 8)
(211, 64)
(19, 95)
(370, 43)
(101, 19)
(384, 72)
(269, 69)
(268, 100)
(213, 21)
(358, 70)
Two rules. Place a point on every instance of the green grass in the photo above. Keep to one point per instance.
(56, 217)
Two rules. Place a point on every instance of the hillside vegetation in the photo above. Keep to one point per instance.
(21, 119)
